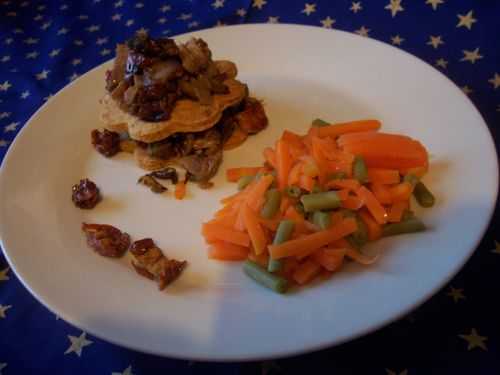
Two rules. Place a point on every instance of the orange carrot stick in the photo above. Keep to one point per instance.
(396, 211)
(270, 156)
(306, 272)
(374, 229)
(180, 190)
(306, 183)
(401, 192)
(348, 183)
(283, 163)
(353, 203)
(256, 196)
(382, 193)
(218, 232)
(373, 205)
(383, 176)
(234, 174)
(294, 176)
(222, 250)
(348, 127)
(330, 259)
(257, 235)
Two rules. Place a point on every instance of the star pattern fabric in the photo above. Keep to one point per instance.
(44, 45)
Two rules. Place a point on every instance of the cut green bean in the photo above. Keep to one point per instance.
(359, 170)
(283, 233)
(267, 279)
(423, 196)
(293, 191)
(320, 201)
(412, 179)
(272, 205)
(244, 181)
(321, 219)
(320, 123)
(337, 176)
(408, 226)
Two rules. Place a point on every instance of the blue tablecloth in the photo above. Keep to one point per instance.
(46, 44)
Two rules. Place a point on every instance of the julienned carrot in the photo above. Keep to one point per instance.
(255, 197)
(304, 246)
(306, 271)
(361, 258)
(261, 259)
(401, 192)
(222, 250)
(294, 176)
(283, 163)
(180, 190)
(347, 183)
(270, 156)
(306, 183)
(319, 158)
(383, 176)
(373, 205)
(343, 194)
(220, 233)
(330, 259)
(285, 203)
(234, 174)
(374, 229)
(349, 127)
(271, 224)
(396, 211)
(353, 203)
(382, 193)
(252, 224)
(225, 221)
(418, 171)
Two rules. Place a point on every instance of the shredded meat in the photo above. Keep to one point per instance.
(106, 240)
(106, 142)
(85, 194)
(202, 168)
(150, 262)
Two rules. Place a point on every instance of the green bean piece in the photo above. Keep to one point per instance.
(359, 170)
(316, 189)
(293, 191)
(320, 201)
(423, 196)
(321, 219)
(272, 205)
(244, 181)
(319, 123)
(300, 208)
(267, 279)
(359, 238)
(408, 226)
(337, 176)
(283, 233)
(412, 179)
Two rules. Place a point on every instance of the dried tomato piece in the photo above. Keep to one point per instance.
(106, 142)
(106, 240)
(85, 194)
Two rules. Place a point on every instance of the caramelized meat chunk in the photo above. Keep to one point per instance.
(106, 142)
(85, 194)
(150, 262)
(106, 240)
(166, 174)
(149, 181)
(253, 118)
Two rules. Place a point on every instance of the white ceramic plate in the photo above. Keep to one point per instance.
(214, 312)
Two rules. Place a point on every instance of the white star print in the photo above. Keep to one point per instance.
(165, 32)
(129, 23)
(76, 62)
(2, 366)
(435, 41)
(397, 40)
(8, 41)
(64, 7)
(442, 63)
(3, 309)
(356, 6)
(118, 4)
(62, 31)
(259, 3)
(101, 41)
(5, 86)
(162, 20)
(46, 25)
(83, 17)
(434, 3)
(165, 8)
(18, 31)
(471, 56)
(3, 143)
(25, 94)
(139, 5)
(78, 42)
(273, 20)
(495, 81)
(32, 55)
(327, 22)
(467, 20)
(38, 17)
(363, 31)
(42, 75)
(77, 344)
(31, 41)
(54, 52)
(218, 4)
(457, 294)
(127, 371)
(309, 8)
(73, 77)
(3, 274)
(4, 115)
(5, 58)
(105, 52)
(93, 28)
(12, 127)
(193, 24)
(185, 16)
(116, 17)
(394, 6)
(241, 12)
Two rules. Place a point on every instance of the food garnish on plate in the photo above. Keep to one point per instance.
(174, 105)
(318, 199)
